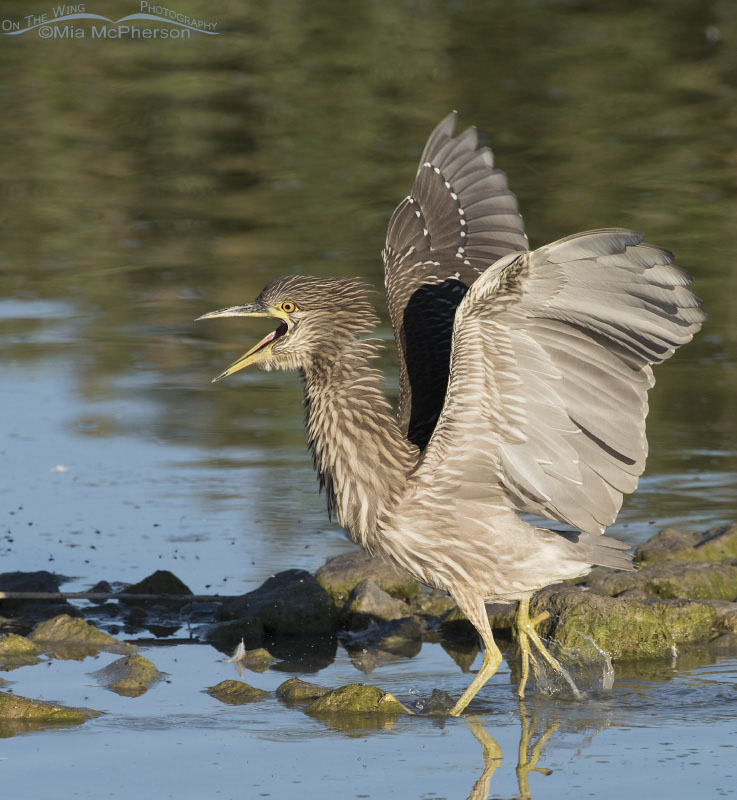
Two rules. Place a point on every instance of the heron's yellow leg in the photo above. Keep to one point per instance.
(526, 633)
(476, 613)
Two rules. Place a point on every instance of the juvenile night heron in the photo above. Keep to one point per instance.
(523, 388)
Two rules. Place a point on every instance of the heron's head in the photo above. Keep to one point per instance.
(316, 318)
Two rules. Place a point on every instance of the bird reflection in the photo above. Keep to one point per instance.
(528, 754)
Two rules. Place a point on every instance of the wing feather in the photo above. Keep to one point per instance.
(550, 369)
(459, 219)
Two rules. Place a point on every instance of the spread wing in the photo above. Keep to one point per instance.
(459, 219)
(549, 376)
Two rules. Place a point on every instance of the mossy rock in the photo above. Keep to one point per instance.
(671, 579)
(298, 691)
(716, 544)
(354, 699)
(72, 638)
(15, 707)
(236, 693)
(130, 676)
(17, 651)
(625, 627)
(340, 575)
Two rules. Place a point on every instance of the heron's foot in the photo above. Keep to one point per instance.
(529, 638)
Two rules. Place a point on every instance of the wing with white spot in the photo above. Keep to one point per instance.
(550, 370)
(459, 219)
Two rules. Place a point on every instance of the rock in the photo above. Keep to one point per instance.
(439, 704)
(624, 627)
(368, 604)
(726, 615)
(15, 707)
(715, 544)
(73, 638)
(258, 660)
(130, 676)
(298, 691)
(340, 575)
(290, 604)
(41, 581)
(17, 651)
(431, 603)
(356, 698)
(161, 582)
(236, 693)
(672, 579)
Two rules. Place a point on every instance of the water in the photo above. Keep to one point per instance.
(146, 183)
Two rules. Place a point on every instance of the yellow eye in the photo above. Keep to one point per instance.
(288, 306)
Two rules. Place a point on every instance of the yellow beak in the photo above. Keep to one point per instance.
(263, 349)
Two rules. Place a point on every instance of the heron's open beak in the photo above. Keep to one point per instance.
(263, 349)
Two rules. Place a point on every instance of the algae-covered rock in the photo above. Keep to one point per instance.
(258, 660)
(17, 651)
(13, 645)
(356, 698)
(624, 627)
(431, 602)
(368, 603)
(340, 575)
(715, 544)
(72, 638)
(298, 691)
(15, 707)
(236, 693)
(289, 604)
(130, 676)
(698, 580)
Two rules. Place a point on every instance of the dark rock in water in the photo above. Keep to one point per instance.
(356, 698)
(298, 691)
(101, 587)
(340, 575)
(161, 582)
(40, 581)
(624, 627)
(236, 693)
(290, 604)
(130, 676)
(431, 603)
(369, 604)
(439, 704)
(715, 544)
(698, 580)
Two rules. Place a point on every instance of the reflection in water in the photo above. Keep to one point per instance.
(528, 754)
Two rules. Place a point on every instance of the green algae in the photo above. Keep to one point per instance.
(236, 693)
(67, 637)
(668, 579)
(296, 690)
(17, 651)
(357, 698)
(21, 714)
(130, 676)
(624, 627)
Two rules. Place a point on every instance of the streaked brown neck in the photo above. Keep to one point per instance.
(360, 455)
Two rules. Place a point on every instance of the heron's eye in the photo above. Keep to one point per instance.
(288, 306)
